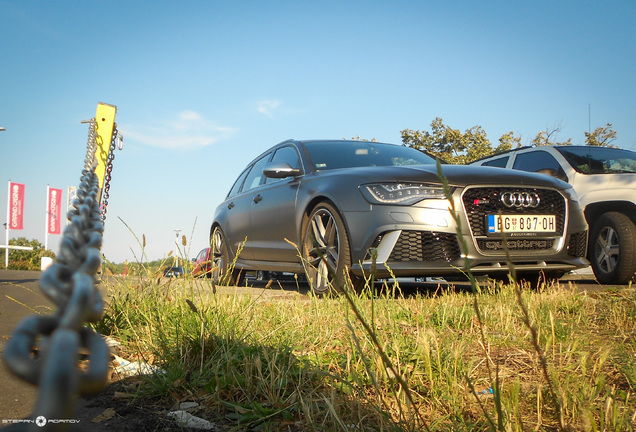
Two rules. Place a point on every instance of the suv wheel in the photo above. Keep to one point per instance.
(613, 249)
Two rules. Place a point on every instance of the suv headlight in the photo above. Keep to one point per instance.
(401, 193)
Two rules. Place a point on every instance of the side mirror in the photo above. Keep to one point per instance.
(280, 170)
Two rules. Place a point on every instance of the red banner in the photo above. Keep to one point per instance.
(53, 210)
(16, 206)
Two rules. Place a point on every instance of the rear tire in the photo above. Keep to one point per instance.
(613, 249)
(325, 251)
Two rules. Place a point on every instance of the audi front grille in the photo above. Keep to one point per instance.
(481, 202)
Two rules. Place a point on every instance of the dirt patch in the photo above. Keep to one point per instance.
(110, 410)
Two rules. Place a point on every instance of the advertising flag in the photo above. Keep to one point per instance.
(53, 211)
(16, 206)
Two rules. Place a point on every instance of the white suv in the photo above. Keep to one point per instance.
(605, 180)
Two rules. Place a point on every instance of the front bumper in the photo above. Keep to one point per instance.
(426, 240)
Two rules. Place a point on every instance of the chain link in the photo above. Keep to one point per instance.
(57, 338)
(109, 170)
(91, 146)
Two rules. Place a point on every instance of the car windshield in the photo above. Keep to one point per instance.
(600, 160)
(352, 154)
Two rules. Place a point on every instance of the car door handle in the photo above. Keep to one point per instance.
(230, 206)
(258, 198)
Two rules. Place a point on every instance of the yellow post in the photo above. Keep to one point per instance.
(104, 125)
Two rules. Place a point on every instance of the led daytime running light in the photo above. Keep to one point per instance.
(402, 193)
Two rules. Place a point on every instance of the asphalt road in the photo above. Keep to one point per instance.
(21, 296)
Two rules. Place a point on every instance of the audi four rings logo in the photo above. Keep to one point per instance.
(520, 199)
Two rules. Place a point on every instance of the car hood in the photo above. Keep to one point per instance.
(457, 175)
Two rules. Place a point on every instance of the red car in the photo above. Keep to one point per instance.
(202, 265)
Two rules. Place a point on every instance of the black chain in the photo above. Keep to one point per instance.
(109, 170)
(57, 338)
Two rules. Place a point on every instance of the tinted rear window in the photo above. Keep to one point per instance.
(541, 162)
(499, 163)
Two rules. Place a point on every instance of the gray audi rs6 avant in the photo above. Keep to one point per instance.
(335, 210)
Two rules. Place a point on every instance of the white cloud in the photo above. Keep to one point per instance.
(188, 130)
(267, 107)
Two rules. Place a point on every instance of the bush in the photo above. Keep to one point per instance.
(26, 259)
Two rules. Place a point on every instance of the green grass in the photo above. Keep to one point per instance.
(385, 361)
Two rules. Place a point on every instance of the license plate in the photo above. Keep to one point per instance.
(521, 223)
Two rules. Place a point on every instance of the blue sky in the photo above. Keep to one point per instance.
(202, 87)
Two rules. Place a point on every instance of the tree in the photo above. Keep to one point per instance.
(357, 138)
(453, 146)
(508, 141)
(548, 137)
(26, 259)
(601, 137)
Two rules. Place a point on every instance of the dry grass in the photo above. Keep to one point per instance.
(388, 362)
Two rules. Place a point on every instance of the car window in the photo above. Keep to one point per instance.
(499, 162)
(238, 184)
(334, 155)
(256, 176)
(600, 160)
(540, 162)
(288, 155)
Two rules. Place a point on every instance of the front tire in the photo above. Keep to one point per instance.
(613, 249)
(325, 250)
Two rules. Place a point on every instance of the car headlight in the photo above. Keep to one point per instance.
(401, 193)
